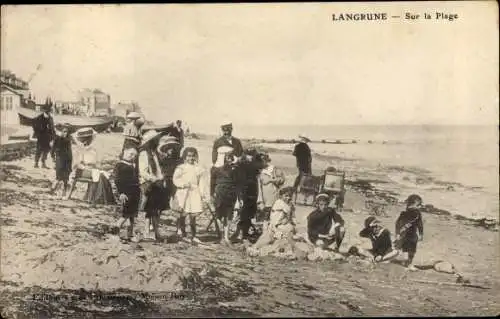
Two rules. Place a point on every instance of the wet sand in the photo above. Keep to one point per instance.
(60, 253)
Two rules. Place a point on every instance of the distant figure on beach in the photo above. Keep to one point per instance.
(324, 225)
(127, 184)
(302, 153)
(380, 238)
(227, 139)
(44, 132)
(410, 229)
(64, 158)
(178, 132)
(271, 179)
(152, 183)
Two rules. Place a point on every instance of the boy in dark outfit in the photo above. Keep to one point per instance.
(223, 188)
(381, 242)
(324, 225)
(63, 158)
(410, 229)
(249, 170)
(127, 184)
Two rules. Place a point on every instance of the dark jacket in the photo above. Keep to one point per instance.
(126, 179)
(408, 223)
(320, 222)
(381, 242)
(302, 153)
(222, 141)
(43, 128)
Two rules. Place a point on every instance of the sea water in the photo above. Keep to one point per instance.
(452, 167)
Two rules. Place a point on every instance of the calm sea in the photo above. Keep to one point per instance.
(463, 156)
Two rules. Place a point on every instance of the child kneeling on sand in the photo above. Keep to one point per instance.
(381, 242)
(324, 225)
(127, 184)
(410, 229)
(282, 220)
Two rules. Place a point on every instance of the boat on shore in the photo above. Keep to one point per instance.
(99, 124)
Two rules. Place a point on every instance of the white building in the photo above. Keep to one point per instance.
(9, 107)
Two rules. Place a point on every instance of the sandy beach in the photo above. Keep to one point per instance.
(57, 259)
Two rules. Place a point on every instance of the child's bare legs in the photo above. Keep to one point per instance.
(130, 228)
(181, 225)
(147, 225)
(390, 255)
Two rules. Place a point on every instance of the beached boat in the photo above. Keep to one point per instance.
(99, 124)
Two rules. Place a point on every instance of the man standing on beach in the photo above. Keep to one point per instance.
(302, 153)
(44, 132)
(227, 139)
(178, 132)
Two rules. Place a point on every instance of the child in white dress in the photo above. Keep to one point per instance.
(192, 194)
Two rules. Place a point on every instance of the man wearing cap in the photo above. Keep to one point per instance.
(227, 139)
(178, 132)
(44, 132)
(302, 153)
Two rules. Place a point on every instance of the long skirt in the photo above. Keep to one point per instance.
(63, 168)
(156, 200)
(100, 192)
(225, 199)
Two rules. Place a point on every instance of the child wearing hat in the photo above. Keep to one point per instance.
(380, 238)
(410, 229)
(63, 157)
(127, 184)
(324, 225)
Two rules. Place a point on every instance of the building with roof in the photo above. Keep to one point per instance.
(96, 102)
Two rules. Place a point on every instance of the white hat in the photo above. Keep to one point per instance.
(302, 137)
(148, 136)
(133, 115)
(226, 123)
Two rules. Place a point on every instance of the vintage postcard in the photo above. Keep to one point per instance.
(250, 159)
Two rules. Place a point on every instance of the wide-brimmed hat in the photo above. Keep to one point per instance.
(304, 138)
(133, 115)
(322, 196)
(167, 142)
(148, 136)
(85, 133)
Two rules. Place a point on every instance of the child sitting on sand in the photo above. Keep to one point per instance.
(324, 225)
(381, 242)
(410, 229)
(127, 184)
(192, 194)
(282, 220)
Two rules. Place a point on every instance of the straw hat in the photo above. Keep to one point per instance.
(322, 196)
(148, 136)
(225, 124)
(85, 133)
(166, 142)
(304, 138)
(133, 115)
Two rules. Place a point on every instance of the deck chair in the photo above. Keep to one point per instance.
(81, 176)
(309, 186)
(333, 183)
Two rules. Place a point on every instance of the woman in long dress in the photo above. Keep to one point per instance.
(64, 158)
(86, 165)
(192, 194)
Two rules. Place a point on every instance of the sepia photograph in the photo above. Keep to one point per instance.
(249, 160)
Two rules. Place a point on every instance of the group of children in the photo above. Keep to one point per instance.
(191, 190)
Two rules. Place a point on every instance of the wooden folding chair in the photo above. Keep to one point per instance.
(309, 185)
(81, 176)
(333, 183)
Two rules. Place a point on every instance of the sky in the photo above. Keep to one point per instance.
(265, 63)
